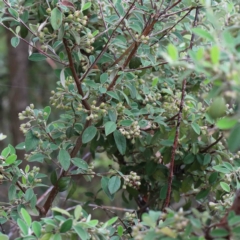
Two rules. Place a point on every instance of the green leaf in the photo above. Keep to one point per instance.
(172, 52)
(66, 226)
(104, 185)
(215, 54)
(78, 212)
(53, 178)
(12, 192)
(82, 233)
(23, 227)
(202, 194)
(110, 127)
(62, 211)
(31, 141)
(5, 152)
(234, 138)
(11, 159)
(114, 184)
(120, 141)
(56, 236)
(225, 186)
(64, 159)
(36, 57)
(163, 192)
(120, 230)
(189, 158)
(15, 41)
(63, 184)
(112, 221)
(226, 123)
(86, 6)
(4, 237)
(221, 168)
(13, 12)
(196, 128)
(155, 82)
(203, 33)
(126, 123)
(56, 18)
(38, 157)
(29, 194)
(26, 217)
(113, 95)
(88, 134)
(103, 78)
(213, 177)
(80, 163)
(207, 159)
(46, 112)
(220, 232)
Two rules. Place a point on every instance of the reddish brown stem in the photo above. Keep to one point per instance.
(174, 148)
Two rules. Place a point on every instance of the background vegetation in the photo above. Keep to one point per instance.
(142, 115)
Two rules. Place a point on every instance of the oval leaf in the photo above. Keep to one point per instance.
(88, 134)
(56, 18)
(114, 184)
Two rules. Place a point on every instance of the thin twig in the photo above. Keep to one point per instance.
(174, 148)
(211, 145)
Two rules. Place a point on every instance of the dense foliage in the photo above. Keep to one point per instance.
(154, 85)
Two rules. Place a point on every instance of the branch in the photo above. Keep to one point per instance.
(175, 144)
(211, 145)
(106, 45)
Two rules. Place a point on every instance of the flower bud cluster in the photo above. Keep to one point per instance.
(132, 131)
(129, 216)
(132, 180)
(180, 221)
(63, 97)
(142, 38)
(90, 169)
(97, 112)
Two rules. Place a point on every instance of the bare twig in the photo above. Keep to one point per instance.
(174, 148)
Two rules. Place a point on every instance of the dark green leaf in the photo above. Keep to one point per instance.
(53, 178)
(202, 194)
(234, 138)
(66, 226)
(120, 141)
